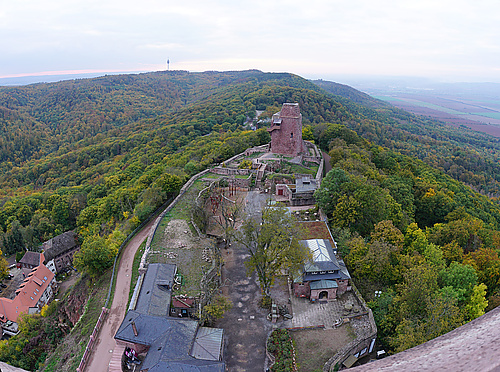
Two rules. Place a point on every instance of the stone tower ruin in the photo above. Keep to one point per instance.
(286, 131)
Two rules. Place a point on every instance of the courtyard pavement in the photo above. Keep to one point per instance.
(322, 313)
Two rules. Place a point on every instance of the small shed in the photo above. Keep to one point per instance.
(182, 307)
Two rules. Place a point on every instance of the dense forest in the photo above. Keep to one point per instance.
(421, 246)
(100, 155)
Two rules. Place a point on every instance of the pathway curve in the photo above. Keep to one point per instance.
(103, 349)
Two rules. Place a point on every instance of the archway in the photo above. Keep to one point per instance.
(323, 295)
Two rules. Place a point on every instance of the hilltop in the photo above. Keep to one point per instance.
(101, 154)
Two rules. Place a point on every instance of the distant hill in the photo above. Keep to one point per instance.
(349, 93)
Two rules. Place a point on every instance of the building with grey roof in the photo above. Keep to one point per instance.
(168, 343)
(300, 193)
(154, 298)
(31, 260)
(59, 251)
(324, 277)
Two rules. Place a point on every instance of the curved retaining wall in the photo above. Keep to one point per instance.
(359, 343)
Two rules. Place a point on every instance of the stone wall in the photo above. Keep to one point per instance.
(332, 294)
(362, 341)
(253, 150)
(301, 290)
(232, 171)
(342, 286)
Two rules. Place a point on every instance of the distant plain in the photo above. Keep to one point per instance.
(475, 105)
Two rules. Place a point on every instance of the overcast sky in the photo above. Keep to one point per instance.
(451, 40)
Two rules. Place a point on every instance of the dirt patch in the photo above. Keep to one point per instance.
(315, 347)
(192, 254)
(279, 292)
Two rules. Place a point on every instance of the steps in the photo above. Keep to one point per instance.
(115, 365)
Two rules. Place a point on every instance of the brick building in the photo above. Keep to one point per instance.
(323, 278)
(59, 251)
(286, 131)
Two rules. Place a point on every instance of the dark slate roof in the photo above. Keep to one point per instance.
(59, 245)
(328, 276)
(170, 341)
(31, 258)
(156, 290)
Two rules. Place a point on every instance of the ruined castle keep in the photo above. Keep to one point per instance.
(286, 131)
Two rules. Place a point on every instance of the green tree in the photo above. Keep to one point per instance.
(377, 261)
(13, 239)
(95, 255)
(356, 202)
(273, 245)
(477, 304)
(215, 310)
(462, 278)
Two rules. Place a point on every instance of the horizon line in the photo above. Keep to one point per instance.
(69, 72)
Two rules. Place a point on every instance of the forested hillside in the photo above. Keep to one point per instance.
(467, 156)
(86, 152)
(102, 154)
(426, 243)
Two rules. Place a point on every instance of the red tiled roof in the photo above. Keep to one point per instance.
(28, 295)
(182, 303)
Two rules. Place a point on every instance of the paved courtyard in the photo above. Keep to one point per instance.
(322, 313)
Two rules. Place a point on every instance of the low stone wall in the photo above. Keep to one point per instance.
(362, 341)
(93, 338)
(187, 185)
(253, 150)
(232, 171)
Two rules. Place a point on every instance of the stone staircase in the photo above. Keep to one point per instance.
(115, 365)
(260, 174)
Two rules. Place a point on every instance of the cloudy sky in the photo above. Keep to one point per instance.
(451, 40)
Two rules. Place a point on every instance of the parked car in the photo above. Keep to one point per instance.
(3, 285)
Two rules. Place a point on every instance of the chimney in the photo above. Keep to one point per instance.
(134, 328)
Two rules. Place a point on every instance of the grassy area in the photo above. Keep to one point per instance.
(212, 176)
(182, 210)
(68, 354)
(296, 168)
(315, 347)
(176, 242)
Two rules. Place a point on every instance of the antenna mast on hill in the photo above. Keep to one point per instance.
(168, 64)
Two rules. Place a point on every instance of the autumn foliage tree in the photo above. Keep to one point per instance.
(273, 245)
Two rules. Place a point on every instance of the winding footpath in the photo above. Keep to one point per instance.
(103, 349)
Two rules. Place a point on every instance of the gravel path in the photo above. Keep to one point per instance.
(245, 325)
